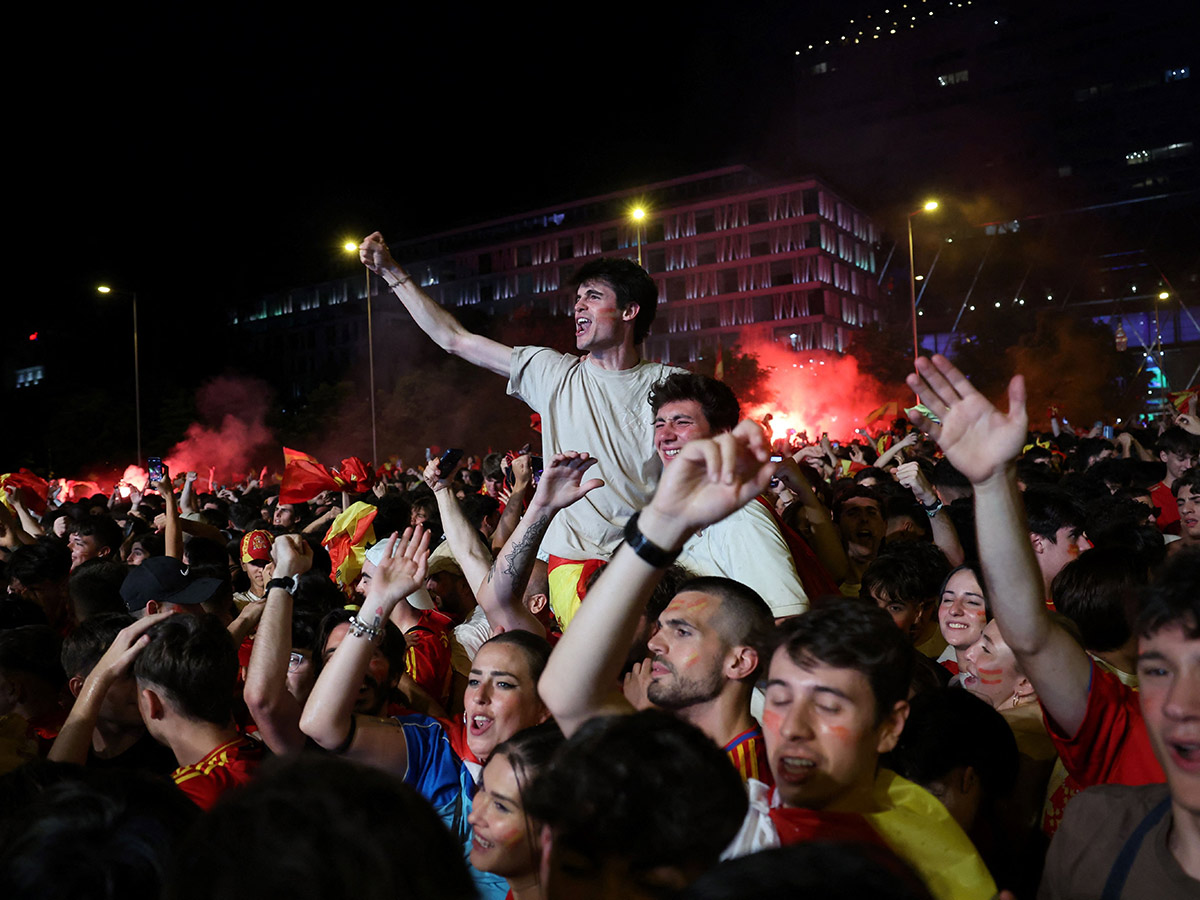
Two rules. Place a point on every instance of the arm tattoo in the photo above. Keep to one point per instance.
(518, 562)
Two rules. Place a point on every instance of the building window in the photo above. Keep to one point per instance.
(819, 68)
(1170, 151)
(30, 376)
(950, 78)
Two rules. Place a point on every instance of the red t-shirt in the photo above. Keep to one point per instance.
(427, 661)
(814, 577)
(229, 765)
(1112, 745)
(748, 753)
(1168, 516)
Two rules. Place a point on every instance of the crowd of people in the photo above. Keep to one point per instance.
(667, 657)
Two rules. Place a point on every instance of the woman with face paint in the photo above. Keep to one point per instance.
(991, 672)
(505, 840)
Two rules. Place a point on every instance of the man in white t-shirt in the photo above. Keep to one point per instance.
(594, 403)
(747, 545)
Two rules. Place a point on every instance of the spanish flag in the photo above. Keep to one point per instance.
(347, 540)
(33, 490)
(304, 477)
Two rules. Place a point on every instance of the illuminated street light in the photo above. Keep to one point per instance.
(638, 213)
(137, 379)
(351, 247)
(929, 206)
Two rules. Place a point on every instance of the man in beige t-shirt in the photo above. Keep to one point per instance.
(594, 403)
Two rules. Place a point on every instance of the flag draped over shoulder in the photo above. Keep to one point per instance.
(304, 477)
(347, 540)
(33, 490)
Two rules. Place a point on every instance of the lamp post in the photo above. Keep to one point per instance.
(1158, 353)
(351, 247)
(929, 206)
(137, 380)
(638, 214)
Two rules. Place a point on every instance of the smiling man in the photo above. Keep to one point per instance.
(592, 402)
(747, 545)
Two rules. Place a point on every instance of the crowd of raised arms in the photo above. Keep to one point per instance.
(661, 657)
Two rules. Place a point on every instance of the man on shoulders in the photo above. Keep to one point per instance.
(594, 401)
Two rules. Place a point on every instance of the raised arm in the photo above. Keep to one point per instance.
(826, 542)
(12, 535)
(945, 536)
(274, 709)
(983, 444)
(31, 525)
(502, 591)
(445, 330)
(470, 552)
(75, 737)
(173, 534)
(328, 716)
(706, 482)
(522, 471)
(889, 454)
(187, 497)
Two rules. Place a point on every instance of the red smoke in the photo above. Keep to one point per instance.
(230, 430)
(819, 391)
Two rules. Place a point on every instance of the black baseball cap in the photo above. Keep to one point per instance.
(164, 579)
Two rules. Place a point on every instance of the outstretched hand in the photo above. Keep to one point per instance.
(562, 479)
(402, 569)
(707, 481)
(978, 439)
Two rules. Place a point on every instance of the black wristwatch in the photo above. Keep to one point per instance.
(641, 545)
(288, 584)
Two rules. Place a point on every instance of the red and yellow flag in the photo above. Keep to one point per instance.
(304, 477)
(347, 539)
(33, 490)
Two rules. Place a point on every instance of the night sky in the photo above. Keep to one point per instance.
(205, 157)
(208, 157)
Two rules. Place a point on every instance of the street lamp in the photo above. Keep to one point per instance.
(1158, 353)
(137, 381)
(351, 247)
(929, 206)
(638, 214)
